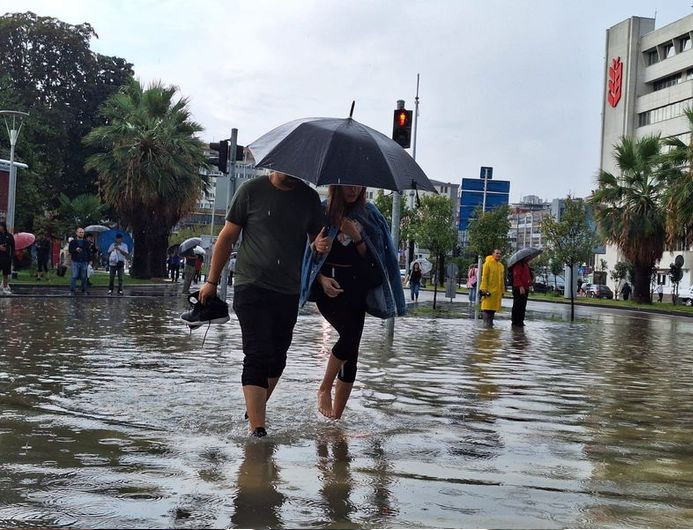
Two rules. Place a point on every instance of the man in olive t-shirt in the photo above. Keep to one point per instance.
(277, 215)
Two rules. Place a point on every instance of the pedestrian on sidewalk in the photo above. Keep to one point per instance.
(626, 290)
(361, 259)
(7, 249)
(117, 254)
(199, 261)
(414, 279)
(174, 267)
(43, 250)
(522, 281)
(492, 286)
(277, 214)
(232, 268)
(472, 278)
(660, 292)
(188, 270)
(79, 254)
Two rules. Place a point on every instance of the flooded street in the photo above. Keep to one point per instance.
(113, 415)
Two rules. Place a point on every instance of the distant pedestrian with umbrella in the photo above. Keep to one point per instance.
(186, 251)
(521, 276)
(361, 259)
(7, 250)
(277, 215)
(492, 286)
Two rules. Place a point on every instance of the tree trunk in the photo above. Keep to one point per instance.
(435, 282)
(151, 244)
(441, 270)
(641, 283)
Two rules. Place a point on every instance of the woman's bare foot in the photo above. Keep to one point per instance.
(325, 403)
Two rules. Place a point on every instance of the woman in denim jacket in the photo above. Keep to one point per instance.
(359, 275)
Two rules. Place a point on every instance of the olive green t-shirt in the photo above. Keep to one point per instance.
(276, 226)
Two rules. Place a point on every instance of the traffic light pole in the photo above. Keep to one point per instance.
(224, 280)
(412, 202)
(478, 263)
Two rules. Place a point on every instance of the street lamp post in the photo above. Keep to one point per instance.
(13, 123)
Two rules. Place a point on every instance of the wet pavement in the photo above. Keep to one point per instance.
(113, 415)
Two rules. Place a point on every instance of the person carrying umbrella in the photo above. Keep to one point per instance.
(522, 281)
(277, 214)
(7, 249)
(492, 286)
(361, 259)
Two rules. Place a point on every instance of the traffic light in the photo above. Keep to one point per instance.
(675, 273)
(220, 161)
(401, 127)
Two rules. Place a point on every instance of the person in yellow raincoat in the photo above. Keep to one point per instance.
(492, 286)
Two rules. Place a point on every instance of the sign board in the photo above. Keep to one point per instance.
(452, 270)
(451, 288)
(472, 195)
(486, 172)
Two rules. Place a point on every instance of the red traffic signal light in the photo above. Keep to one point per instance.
(401, 127)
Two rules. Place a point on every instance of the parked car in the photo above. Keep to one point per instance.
(686, 297)
(599, 291)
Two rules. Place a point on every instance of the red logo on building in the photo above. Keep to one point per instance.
(615, 81)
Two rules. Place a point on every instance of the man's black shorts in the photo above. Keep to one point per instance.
(5, 265)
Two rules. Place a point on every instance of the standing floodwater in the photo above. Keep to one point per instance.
(112, 415)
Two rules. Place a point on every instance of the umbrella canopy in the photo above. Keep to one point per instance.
(23, 240)
(96, 229)
(199, 250)
(189, 244)
(426, 266)
(338, 151)
(524, 254)
(106, 239)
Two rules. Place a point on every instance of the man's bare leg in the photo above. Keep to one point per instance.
(334, 365)
(342, 392)
(255, 400)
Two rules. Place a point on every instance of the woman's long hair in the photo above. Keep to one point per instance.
(337, 207)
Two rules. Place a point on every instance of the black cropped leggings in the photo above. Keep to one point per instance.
(347, 314)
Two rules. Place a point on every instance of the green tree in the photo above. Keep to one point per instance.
(571, 240)
(620, 272)
(629, 208)
(433, 228)
(48, 70)
(489, 230)
(677, 173)
(384, 204)
(148, 161)
(83, 210)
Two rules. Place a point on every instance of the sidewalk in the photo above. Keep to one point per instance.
(544, 303)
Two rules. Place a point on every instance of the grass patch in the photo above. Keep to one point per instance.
(624, 304)
(98, 279)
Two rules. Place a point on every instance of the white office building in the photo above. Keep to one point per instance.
(648, 82)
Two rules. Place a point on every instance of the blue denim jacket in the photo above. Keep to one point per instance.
(384, 301)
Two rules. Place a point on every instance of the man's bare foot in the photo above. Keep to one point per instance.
(325, 403)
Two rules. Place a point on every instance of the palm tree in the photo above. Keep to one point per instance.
(148, 164)
(629, 208)
(677, 170)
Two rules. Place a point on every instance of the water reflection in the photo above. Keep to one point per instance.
(111, 414)
(258, 503)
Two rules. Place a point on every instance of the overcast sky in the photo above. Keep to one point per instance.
(516, 85)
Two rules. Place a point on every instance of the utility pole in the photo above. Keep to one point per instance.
(224, 280)
(485, 175)
(11, 118)
(412, 193)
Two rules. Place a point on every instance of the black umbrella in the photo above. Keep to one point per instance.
(338, 151)
(524, 253)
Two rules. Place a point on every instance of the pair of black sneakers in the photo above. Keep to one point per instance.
(214, 311)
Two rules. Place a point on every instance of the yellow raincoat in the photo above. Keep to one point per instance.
(493, 281)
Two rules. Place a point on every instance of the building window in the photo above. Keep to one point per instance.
(669, 51)
(684, 44)
(664, 113)
(652, 57)
(666, 82)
